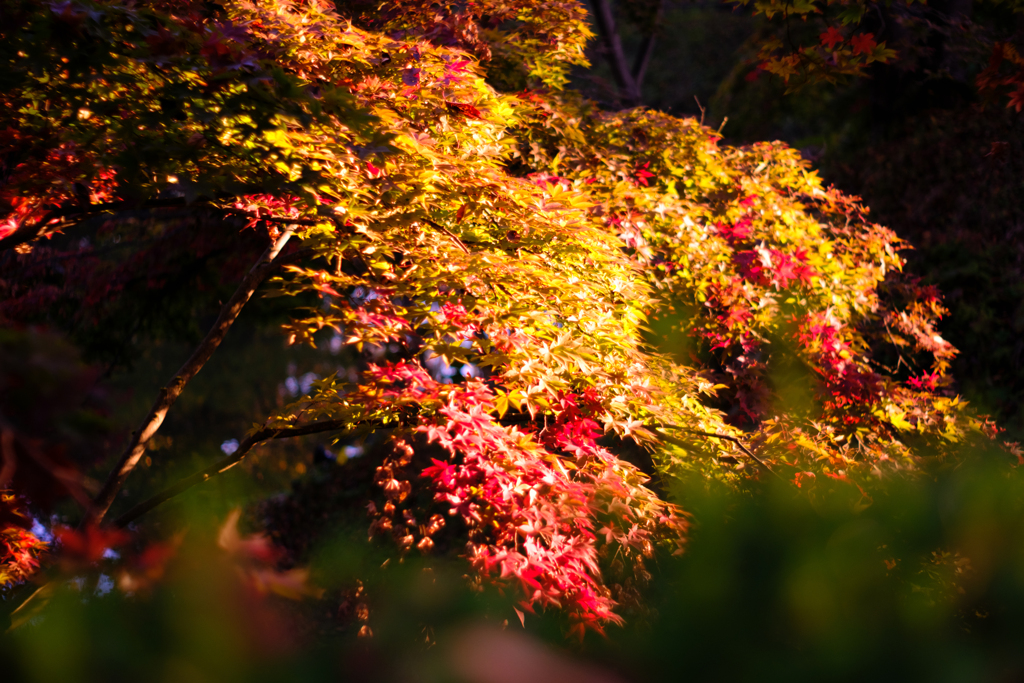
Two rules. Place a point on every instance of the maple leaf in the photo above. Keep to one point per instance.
(411, 77)
(740, 230)
(146, 568)
(863, 43)
(253, 548)
(13, 512)
(831, 38)
(467, 110)
(643, 175)
(800, 477)
(19, 554)
(293, 584)
(8, 227)
(89, 545)
(546, 303)
(928, 382)
(1017, 98)
(256, 551)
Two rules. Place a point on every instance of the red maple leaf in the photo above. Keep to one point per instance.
(89, 545)
(1017, 98)
(740, 230)
(926, 382)
(252, 548)
(863, 43)
(831, 38)
(643, 175)
(467, 110)
(799, 478)
(785, 268)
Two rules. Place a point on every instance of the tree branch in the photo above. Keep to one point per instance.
(24, 234)
(452, 235)
(643, 57)
(616, 55)
(256, 439)
(230, 461)
(269, 433)
(27, 233)
(713, 435)
(169, 394)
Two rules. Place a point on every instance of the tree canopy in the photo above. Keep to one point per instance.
(547, 317)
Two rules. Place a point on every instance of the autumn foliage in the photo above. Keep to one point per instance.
(554, 311)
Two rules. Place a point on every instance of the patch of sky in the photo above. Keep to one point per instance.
(336, 344)
(104, 585)
(41, 532)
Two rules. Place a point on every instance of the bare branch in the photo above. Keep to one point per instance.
(230, 461)
(616, 55)
(643, 57)
(59, 219)
(169, 394)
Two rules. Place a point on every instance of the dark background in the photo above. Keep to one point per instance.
(936, 160)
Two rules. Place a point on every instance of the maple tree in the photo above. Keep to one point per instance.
(546, 305)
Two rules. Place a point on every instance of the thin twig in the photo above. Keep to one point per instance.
(713, 435)
(699, 106)
(27, 233)
(230, 461)
(892, 340)
(24, 612)
(259, 437)
(441, 228)
(169, 394)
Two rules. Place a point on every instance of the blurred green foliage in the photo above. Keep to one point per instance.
(771, 588)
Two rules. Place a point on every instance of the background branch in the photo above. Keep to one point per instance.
(628, 86)
(643, 57)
